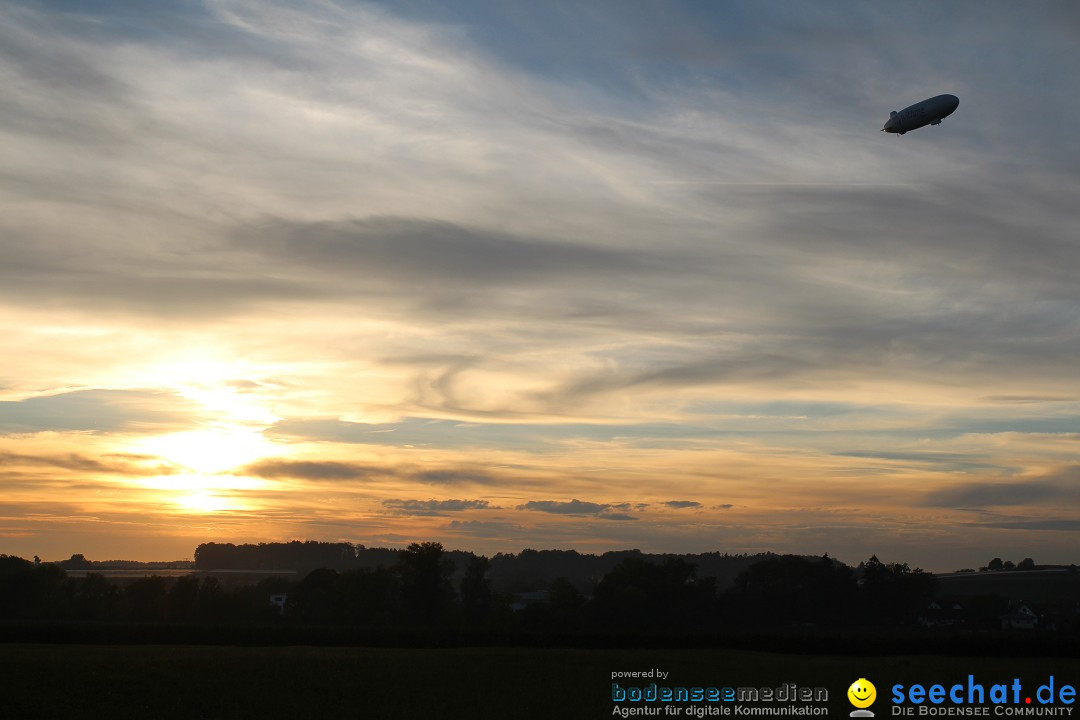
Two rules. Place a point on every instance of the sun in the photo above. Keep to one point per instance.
(236, 410)
(210, 450)
(204, 494)
(203, 503)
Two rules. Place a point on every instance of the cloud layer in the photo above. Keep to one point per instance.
(569, 262)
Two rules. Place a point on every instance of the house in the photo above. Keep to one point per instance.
(523, 600)
(944, 613)
(1020, 617)
(278, 601)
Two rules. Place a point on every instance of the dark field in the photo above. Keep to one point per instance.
(153, 681)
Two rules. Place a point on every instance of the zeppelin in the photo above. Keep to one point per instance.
(927, 112)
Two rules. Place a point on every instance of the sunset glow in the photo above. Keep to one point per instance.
(208, 451)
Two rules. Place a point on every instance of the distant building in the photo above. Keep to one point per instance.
(1020, 617)
(278, 601)
(523, 600)
(946, 613)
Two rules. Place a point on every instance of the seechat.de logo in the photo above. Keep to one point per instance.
(862, 695)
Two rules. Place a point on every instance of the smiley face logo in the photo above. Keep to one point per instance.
(862, 693)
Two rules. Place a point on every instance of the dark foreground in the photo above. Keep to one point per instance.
(155, 681)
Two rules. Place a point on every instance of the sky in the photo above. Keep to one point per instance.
(598, 275)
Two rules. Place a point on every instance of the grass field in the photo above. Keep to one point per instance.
(148, 681)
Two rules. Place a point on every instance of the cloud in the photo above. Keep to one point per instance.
(66, 462)
(1047, 524)
(101, 411)
(682, 504)
(493, 429)
(1027, 399)
(83, 464)
(996, 494)
(708, 371)
(454, 476)
(602, 237)
(235, 75)
(943, 461)
(310, 470)
(578, 507)
(782, 254)
(573, 507)
(918, 457)
(487, 528)
(278, 468)
(421, 254)
(432, 507)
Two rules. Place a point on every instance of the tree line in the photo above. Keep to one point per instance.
(508, 572)
(423, 586)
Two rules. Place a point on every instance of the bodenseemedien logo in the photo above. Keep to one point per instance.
(862, 695)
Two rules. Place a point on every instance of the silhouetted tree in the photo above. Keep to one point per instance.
(424, 574)
(476, 590)
(212, 604)
(369, 597)
(145, 599)
(295, 555)
(29, 591)
(183, 598)
(565, 603)
(1026, 564)
(316, 598)
(894, 592)
(532, 570)
(994, 564)
(640, 595)
(790, 588)
(213, 556)
(94, 598)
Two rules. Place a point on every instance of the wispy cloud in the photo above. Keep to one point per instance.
(334, 470)
(994, 494)
(544, 251)
(310, 470)
(123, 466)
(99, 410)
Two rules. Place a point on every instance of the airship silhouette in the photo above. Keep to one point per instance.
(927, 112)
